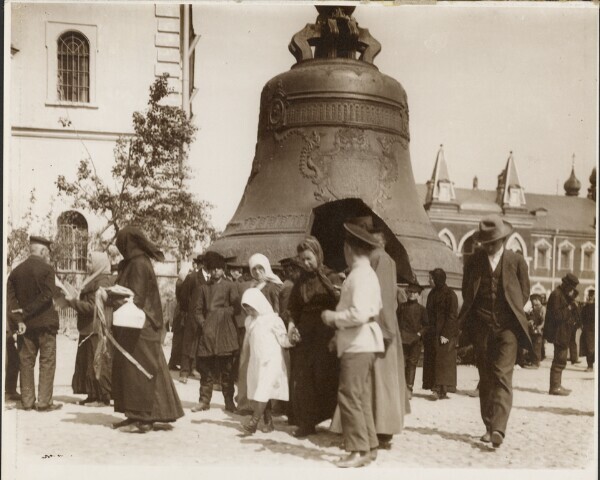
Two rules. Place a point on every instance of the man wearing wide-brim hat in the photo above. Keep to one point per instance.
(562, 316)
(31, 288)
(495, 290)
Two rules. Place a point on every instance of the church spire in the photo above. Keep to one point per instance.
(439, 187)
(510, 193)
(572, 185)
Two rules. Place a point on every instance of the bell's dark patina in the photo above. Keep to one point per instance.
(332, 144)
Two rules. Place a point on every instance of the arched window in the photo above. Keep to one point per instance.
(566, 252)
(447, 237)
(71, 243)
(73, 82)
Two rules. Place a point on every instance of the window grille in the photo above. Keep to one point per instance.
(72, 242)
(73, 68)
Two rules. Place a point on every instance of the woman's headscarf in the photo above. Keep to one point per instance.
(255, 298)
(312, 244)
(132, 242)
(100, 265)
(259, 260)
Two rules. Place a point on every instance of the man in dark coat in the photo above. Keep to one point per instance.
(215, 307)
(412, 321)
(537, 318)
(187, 297)
(495, 289)
(11, 367)
(31, 288)
(562, 316)
(442, 312)
(588, 330)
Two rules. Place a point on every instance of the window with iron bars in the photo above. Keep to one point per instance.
(71, 254)
(73, 68)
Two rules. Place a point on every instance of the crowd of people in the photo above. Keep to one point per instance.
(309, 343)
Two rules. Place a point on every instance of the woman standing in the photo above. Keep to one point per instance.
(314, 366)
(142, 400)
(269, 285)
(442, 312)
(84, 378)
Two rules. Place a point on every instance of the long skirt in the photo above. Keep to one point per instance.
(428, 362)
(135, 395)
(84, 379)
(445, 364)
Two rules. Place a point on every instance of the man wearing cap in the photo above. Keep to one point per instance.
(537, 318)
(214, 309)
(412, 321)
(495, 289)
(186, 297)
(390, 395)
(588, 330)
(31, 287)
(358, 338)
(562, 316)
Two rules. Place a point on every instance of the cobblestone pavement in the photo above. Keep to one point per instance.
(544, 432)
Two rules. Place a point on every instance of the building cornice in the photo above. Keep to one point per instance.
(68, 134)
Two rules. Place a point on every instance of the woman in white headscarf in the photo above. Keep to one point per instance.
(267, 377)
(269, 285)
(84, 378)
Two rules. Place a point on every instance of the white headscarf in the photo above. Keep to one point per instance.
(259, 260)
(255, 299)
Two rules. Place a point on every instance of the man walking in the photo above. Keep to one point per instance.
(562, 317)
(31, 287)
(412, 321)
(495, 289)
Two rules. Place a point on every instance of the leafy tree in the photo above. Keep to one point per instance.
(150, 174)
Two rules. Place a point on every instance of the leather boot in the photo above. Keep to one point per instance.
(249, 427)
(268, 419)
(229, 405)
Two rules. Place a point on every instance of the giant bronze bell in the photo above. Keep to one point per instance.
(332, 144)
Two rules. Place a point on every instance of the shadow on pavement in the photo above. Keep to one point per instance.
(531, 390)
(96, 418)
(557, 411)
(474, 442)
(67, 399)
(291, 449)
(223, 423)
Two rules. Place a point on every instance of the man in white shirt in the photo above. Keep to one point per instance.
(358, 338)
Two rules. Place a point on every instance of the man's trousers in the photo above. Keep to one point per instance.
(30, 343)
(412, 352)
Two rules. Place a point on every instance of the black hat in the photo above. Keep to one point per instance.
(359, 233)
(214, 260)
(40, 241)
(570, 280)
(290, 262)
(535, 296)
(198, 258)
(414, 287)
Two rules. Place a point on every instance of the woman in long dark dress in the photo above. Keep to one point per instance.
(142, 400)
(84, 378)
(314, 374)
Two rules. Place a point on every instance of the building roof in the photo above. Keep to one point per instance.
(572, 214)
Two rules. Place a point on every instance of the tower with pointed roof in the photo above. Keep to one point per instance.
(572, 185)
(440, 189)
(510, 194)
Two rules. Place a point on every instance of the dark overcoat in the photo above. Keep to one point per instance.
(588, 329)
(134, 394)
(515, 282)
(31, 287)
(188, 297)
(412, 321)
(214, 312)
(561, 317)
(442, 312)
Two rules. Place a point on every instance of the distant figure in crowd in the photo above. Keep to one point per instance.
(84, 378)
(187, 297)
(413, 322)
(314, 366)
(267, 377)
(216, 305)
(562, 316)
(292, 269)
(358, 338)
(11, 367)
(588, 331)
(495, 289)
(270, 285)
(442, 313)
(573, 348)
(178, 320)
(537, 317)
(31, 288)
(143, 401)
